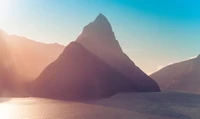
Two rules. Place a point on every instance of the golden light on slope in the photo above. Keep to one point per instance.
(4, 7)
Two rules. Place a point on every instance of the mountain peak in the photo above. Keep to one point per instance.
(102, 22)
(98, 30)
(101, 18)
(100, 26)
(100, 14)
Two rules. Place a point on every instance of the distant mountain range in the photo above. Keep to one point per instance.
(31, 57)
(92, 67)
(181, 76)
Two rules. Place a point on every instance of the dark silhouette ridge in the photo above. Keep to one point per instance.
(78, 74)
(31, 57)
(98, 37)
(184, 76)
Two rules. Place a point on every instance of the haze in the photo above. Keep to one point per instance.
(153, 35)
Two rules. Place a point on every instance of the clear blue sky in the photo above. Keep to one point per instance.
(152, 32)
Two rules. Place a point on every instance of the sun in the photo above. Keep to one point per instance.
(4, 7)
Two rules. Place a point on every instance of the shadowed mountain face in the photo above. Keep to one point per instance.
(99, 39)
(78, 74)
(182, 76)
(32, 57)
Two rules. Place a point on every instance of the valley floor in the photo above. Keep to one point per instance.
(161, 105)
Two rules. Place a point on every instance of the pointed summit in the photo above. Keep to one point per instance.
(99, 29)
(100, 16)
(102, 20)
(99, 32)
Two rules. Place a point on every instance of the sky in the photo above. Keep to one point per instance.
(153, 33)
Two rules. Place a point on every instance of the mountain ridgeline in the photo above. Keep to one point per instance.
(31, 57)
(184, 76)
(94, 66)
(21, 61)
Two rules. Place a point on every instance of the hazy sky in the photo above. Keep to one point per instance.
(153, 33)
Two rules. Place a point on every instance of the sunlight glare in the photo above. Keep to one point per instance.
(4, 7)
(5, 111)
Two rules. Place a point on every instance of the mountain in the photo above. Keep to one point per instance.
(98, 37)
(79, 74)
(7, 70)
(31, 57)
(181, 76)
(92, 67)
